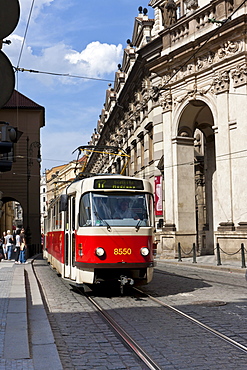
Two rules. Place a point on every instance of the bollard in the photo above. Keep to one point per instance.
(179, 253)
(243, 256)
(194, 253)
(218, 254)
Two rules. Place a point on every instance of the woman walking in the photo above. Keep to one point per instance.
(4, 246)
(22, 246)
(9, 243)
(17, 246)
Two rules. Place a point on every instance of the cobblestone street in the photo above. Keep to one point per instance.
(85, 341)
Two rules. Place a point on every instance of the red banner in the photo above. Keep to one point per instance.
(158, 196)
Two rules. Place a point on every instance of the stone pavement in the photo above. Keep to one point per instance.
(26, 338)
(208, 262)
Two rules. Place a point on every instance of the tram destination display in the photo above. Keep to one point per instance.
(118, 184)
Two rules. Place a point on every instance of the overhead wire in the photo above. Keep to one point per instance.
(19, 59)
(25, 34)
(17, 68)
(61, 74)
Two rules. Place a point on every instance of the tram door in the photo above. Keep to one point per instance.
(69, 243)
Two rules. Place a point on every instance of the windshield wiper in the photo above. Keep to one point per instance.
(138, 225)
(101, 219)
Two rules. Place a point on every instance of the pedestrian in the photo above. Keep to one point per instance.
(22, 246)
(1, 249)
(17, 245)
(42, 241)
(9, 240)
(4, 246)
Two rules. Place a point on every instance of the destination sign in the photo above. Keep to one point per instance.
(118, 184)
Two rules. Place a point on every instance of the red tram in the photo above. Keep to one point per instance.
(102, 230)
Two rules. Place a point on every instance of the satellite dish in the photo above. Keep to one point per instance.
(9, 16)
(7, 79)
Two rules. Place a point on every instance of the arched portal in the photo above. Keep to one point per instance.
(11, 215)
(195, 144)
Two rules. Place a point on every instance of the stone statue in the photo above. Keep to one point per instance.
(169, 13)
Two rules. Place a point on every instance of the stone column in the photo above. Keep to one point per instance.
(184, 191)
(223, 211)
(168, 172)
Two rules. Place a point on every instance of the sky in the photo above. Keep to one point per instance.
(76, 37)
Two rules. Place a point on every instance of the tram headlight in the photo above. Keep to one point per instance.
(144, 251)
(99, 252)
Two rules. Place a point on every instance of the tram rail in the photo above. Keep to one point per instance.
(142, 355)
(195, 321)
(116, 312)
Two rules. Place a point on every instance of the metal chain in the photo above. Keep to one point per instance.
(229, 254)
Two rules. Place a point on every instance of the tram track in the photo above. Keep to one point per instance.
(197, 322)
(140, 352)
(158, 339)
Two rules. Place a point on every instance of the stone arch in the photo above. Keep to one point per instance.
(11, 214)
(195, 144)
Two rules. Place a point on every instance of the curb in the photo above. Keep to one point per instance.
(237, 270)
(41, 336)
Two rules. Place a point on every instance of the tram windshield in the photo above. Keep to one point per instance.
(115, 209)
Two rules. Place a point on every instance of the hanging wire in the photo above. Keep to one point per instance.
(25, 34)
(60, 74)
(221, 24)
(20, 55)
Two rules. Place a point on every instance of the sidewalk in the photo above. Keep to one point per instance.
(26, 339)
(207, 262)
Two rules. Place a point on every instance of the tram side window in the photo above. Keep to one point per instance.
(85, 211)
(150, 203)
(60, 215)
(53, 218)
(49, 219)
(56, 216)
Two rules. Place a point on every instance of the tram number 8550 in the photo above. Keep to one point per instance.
(122, 251)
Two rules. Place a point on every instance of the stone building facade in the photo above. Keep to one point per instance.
(22, 183)
(178, 108)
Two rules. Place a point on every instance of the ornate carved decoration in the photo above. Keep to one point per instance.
(155, 93)
(166, 102)
(199, 181)
(228, 48)
(230, 6)
(138, 108)
(169, 13)
(137, 96)
(193, 94)
(239, 75)
(145, 99)
(191, 4)
(221, 82)
(205, 61)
